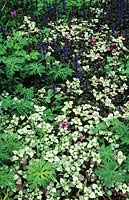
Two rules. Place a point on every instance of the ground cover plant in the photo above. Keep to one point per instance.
(64, 100)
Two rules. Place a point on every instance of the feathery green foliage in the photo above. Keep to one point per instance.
(6, 178)
(40, 173)
(8, 143)
(109, 174)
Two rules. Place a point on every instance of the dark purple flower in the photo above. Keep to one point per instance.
(121, 11)
(76, 66)
(53, 88)
(70, 21)
(78, 74)
(45, 16)
(75, 62)
(65, 50)
(40, 44)
(113, 28)
(54, 42)
(44, 51)
(33, 17)
(42, 47)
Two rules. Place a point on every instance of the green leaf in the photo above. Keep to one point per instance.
(2, 50)
(7, 102)
(101, 126)
(125, 139)
(13, 65)
(10, 141)
(46, 32)
(127, 164)
(6, 178)
(48, 114)
(23, 106)
(106, 153)
(34, 55)
(40, 173)
(35, 68)
(109, 173)
(48, 96)
(118, 127)
(4, 154)
(26, 93)
(58, 71)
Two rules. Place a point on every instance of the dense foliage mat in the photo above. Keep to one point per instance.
(64, 100)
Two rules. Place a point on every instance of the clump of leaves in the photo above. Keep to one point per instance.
(6, 178)
(8, 143)
(110, 174)
(58, 71)
(53, 101)
(122, 130)
(20, 106)
(116, 127)
(106, 153)
(126, 165)
(124, 65)
(26, 93)
(40, 173)
(109, 170)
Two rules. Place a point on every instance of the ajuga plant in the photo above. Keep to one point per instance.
(40, 173)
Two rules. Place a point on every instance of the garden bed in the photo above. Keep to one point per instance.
(64, 103)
